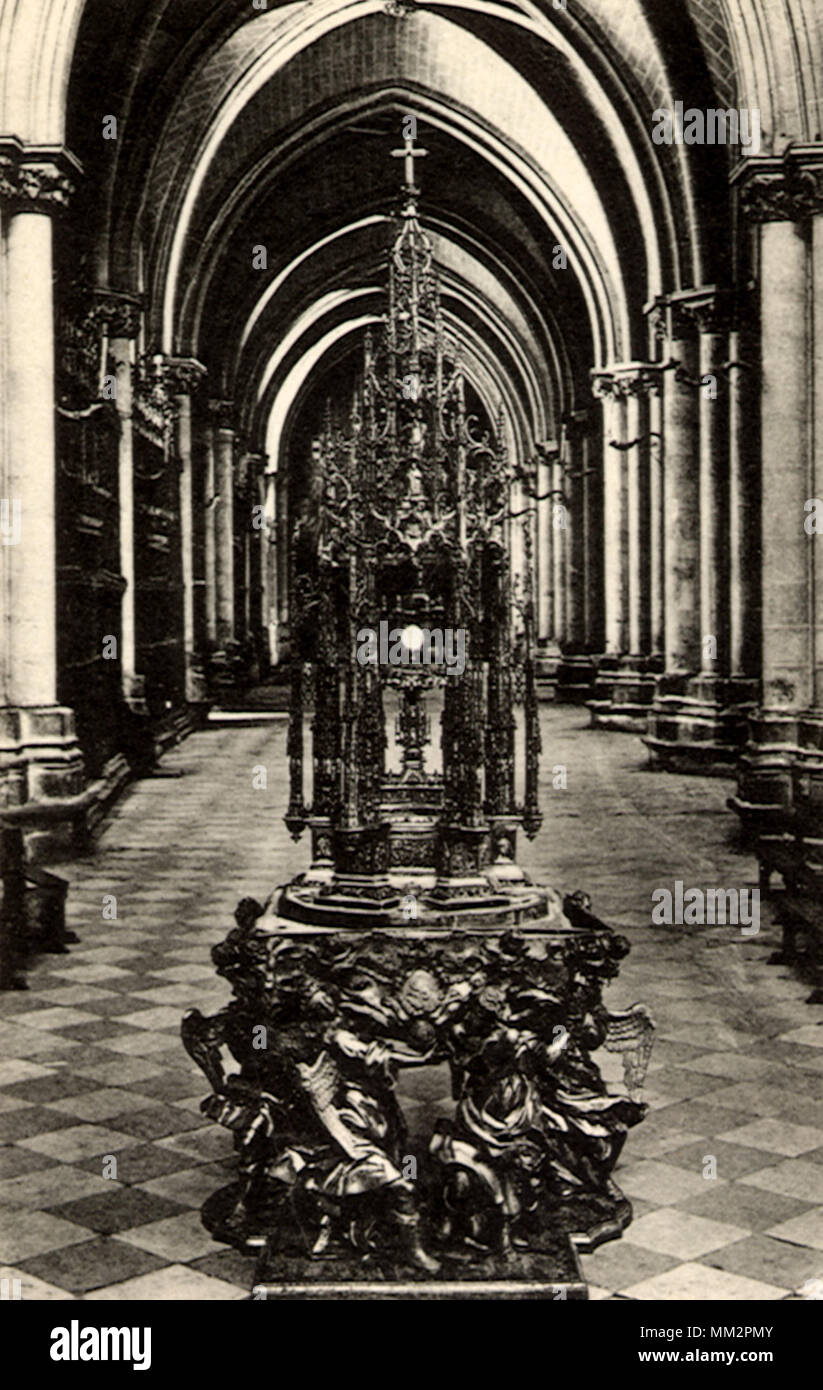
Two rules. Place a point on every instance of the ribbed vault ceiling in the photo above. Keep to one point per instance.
(242, 128)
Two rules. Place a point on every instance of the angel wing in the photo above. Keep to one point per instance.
(631, 1032)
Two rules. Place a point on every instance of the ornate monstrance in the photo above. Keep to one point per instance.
(414, 940)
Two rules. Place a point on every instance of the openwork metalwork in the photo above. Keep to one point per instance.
(410, 526)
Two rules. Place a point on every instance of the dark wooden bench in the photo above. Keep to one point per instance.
(798, 858)
(32, 909)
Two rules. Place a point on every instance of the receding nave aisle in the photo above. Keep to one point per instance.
(93, 1067)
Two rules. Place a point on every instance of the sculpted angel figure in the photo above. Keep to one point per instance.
(531, 1122)
(350, 1086)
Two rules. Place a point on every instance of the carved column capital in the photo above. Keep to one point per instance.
(657, 317)
(620, 382)
(121, 313)
(680, 322)
(784, 189)
(154, 407)
(577, 424)
(707, 308)
(221, 414)
(34, 179)
(184, 375)
(604, 386)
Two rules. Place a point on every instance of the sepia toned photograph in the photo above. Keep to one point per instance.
(411, 660)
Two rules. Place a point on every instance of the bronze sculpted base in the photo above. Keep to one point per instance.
(333, 1197)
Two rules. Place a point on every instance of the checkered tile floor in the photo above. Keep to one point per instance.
(104, 1157)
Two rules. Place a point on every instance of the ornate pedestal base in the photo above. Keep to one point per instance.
(576, 676)
(284, 1271)
(623, 693)
(337, 995)
(699, 724)
(547, 662)
(42, 776)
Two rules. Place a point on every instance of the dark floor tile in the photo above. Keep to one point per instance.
(156, 1123)
(96, 1032)
(229, 1265)
(59, 1086)
(172, 1087)
(15, 1162)
(33, 1119)
(141, 1163)
(733, 1160)
(91, 1265)
(119, 1210)
(771, 1261)
(749, 1207)
(697, 1116)
(116, 1005)
(22, 1002)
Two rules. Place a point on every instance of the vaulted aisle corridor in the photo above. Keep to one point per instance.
(93, 1068)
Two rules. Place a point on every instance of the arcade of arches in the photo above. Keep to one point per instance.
(195, 205)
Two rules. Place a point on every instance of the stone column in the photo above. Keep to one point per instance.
(657, 560)
(257, 546)
(817, 463)
(780, 196)
(184, 375)
(625, 685)
(786, 551)
(681, 517)
(222, 416)
(544, 557)
(593, 535)
(636, 549)
(283, 552)
(709, 312)
(560, 538)
(744, 434)
(269, 543)
(615, 558)
(209, 537)
(123, 316)
(40, 758)
(576, 542)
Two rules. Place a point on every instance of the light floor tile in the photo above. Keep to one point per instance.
(664, 1183)
(697, 1283)
(176, 1282)
(776, 1136)
(681, 1234)
(79, 1141)
(794, 1177)
(806, 1229)
(175, 1238)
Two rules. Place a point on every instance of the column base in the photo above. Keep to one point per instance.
(789, 842)
(777, 773)
(42, 776)
(699, 723)
(197, 692)
(546, 664)
(227, 670)
(575, 679)
(623, 693)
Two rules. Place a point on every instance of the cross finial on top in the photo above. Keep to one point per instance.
(409, 154)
